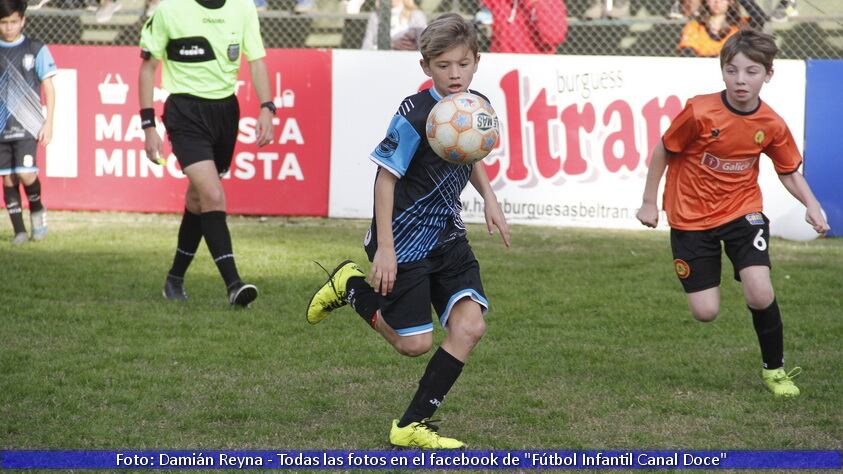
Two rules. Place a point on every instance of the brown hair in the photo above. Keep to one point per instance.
(758, 47)
(733, 18)
(445, 32)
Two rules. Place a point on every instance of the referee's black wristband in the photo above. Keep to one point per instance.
(147, 117)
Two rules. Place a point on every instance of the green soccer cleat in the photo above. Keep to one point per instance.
(332, 294)
(421, 435)
(781, 383)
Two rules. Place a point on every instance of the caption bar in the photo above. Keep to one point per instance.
(499, 459)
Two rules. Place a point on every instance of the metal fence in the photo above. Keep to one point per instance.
(647, 31)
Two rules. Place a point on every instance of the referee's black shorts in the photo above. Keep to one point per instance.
(202, 129)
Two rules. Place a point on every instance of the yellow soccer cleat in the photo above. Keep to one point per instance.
(781, 383)
(332, 294)
(421, 435)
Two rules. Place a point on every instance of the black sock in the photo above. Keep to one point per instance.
(190, 235)
(362, 297)
(33, 195)
(441, 373)
(215, 231)
(768, 326)
(12, 197)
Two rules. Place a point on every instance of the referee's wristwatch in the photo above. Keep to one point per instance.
(269, 106)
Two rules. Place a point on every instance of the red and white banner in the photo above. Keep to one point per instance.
(96, 160)
(577, 132)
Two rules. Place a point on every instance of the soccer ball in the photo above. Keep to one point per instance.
(462, 128)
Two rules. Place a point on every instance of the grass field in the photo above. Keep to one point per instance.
(589, 345)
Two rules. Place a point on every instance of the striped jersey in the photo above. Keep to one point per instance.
(24, 63)
(426, 209)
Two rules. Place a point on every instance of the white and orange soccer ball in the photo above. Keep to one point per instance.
(462, 128)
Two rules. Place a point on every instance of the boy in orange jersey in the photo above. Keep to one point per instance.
(711, 153)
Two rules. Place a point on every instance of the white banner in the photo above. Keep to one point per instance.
(576, 131)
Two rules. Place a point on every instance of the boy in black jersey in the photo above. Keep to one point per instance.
(417, 241)
(26, 67)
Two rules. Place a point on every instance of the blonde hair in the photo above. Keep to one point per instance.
(758, 47)
(445, 32)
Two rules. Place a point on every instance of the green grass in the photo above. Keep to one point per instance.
(589, 345)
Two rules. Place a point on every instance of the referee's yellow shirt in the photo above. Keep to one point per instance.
(200, 45)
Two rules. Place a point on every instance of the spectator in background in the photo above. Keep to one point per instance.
(151, 5)
(106, 10)
(688, 8)
(527, 26)
(598, 9)
(406, 24)
(784, 10)
(683, 9)
(714, 22)
(302, 6)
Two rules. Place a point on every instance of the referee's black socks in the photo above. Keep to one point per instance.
(216, 234)
(190, 235)
(441, 373)
(11, 194)
(768, 326)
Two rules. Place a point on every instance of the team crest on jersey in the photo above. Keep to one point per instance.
(727, 166)
(756, 218)
(233, 52)
(28, 62)
(683, 270)
(759, 137)
(389, 144)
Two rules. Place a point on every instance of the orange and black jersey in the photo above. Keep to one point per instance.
(713, 160)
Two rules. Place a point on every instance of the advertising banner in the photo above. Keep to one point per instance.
(823, 142)
(576, 131)
(96, 160)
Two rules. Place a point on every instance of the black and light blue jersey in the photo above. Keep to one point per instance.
(24, 63)
(426, 209)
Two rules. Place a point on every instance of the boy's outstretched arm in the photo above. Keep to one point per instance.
(796, 184)
(45, 135)
(384, 265)
(649, 212)
(494, 215)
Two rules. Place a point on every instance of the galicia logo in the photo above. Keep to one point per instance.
(727, 166)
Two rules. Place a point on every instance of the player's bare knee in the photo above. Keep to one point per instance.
(470, 329)
(213, 200)
(705, 314)
(414, 346)
(760, 299)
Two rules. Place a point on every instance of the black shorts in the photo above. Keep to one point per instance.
(697, 252)
(442, 280)
(202, 129)
(18, 157)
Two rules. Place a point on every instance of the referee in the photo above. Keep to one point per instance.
(200, 43)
